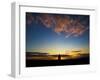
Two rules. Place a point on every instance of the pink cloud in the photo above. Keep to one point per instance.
(30, 18)
(46, 20)
(60, 24)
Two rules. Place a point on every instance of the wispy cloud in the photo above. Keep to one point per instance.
(30, 18)
(60, 24)
(46, 20)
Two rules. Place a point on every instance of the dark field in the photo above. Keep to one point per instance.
(55, 60)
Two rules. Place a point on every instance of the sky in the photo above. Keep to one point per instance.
(57, 33)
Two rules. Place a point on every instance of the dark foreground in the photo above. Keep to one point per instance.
(39, 63)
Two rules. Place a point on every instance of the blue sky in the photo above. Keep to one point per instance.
(40, 38)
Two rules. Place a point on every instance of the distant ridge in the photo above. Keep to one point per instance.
(35, 53)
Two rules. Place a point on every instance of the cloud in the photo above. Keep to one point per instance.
(76, 30)
(77, 51)
(60, 24)
(70, 27)
(29, 18)
(46, 20)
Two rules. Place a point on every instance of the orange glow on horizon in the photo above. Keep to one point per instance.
(63, 51)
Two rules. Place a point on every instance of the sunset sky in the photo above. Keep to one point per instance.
(57, 33)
